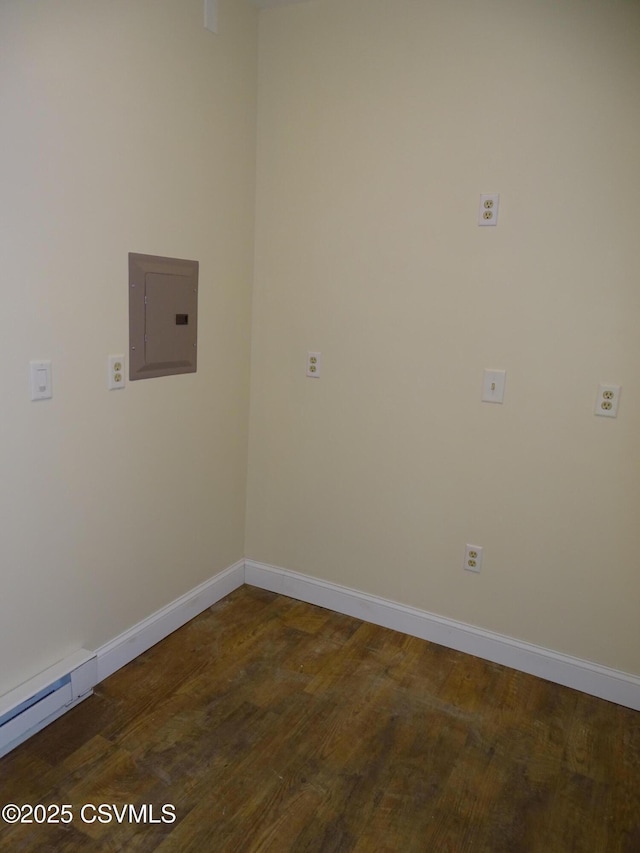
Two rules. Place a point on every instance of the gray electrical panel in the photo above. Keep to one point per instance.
(163, 316)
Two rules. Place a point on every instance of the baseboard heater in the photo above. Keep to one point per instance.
(36, 703)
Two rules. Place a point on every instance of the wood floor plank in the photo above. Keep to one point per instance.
(274, 725)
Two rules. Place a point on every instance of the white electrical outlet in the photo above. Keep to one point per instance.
(488, 212)
(313, 364)
(473, 558)
(115, 372)
(607, 400)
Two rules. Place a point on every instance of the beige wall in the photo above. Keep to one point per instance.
(125, 126)
(380, 123)
(128, 127)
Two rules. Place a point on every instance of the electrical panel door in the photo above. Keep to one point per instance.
(163, 316)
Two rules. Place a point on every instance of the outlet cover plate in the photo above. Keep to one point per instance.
(473, 558)
(607, 401)
(116, 372)
(314, 363)
(488, 211)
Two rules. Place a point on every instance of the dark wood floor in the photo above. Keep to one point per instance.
(274, 725)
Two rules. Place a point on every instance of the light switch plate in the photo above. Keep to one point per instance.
(41, 380)
(211, 15)
(493, 383)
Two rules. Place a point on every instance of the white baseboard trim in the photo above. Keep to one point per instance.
(591, 678)
(601, 681)
(128, 645)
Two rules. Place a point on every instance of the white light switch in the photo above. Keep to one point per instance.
(41, 380)
(493, 383)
